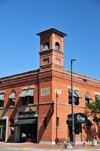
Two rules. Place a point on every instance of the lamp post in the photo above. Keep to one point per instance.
(72, 101)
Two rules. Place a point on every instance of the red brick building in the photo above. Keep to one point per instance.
(36, 105)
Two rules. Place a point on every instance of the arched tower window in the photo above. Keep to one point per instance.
(57, 46)
(46, 46)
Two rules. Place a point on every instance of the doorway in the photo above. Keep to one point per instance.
(2, 130)
(28, 133)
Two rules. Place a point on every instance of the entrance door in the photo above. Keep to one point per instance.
(28, 133)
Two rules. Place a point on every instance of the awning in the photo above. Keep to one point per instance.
(78, 117)
(78, 94)
(12, 96)
(23, 122)
(30, 92)
(89, 123)
(70, 93)
(22, 94)
(2, 96)
(87, 96)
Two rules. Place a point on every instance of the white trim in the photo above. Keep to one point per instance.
(96, 93)
(69, 87)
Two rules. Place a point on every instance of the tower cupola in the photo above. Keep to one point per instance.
(51, 49)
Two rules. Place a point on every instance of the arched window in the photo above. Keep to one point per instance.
(57, 46)
(46, 46)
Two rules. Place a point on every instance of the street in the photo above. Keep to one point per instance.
(34, 149)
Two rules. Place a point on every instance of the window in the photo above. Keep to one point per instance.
(76, 128)
(1, 99)
(87, 98)
(31, 99)
(46, 46)
(12, 128)
(13, 102)
(57, 121)
(86, 102)
(45, 121)
(57, 46)
(1, 103)
(97, 98)
(70, 100)
(76, 101)
(24, 100)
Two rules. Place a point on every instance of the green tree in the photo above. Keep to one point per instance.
(94, 108)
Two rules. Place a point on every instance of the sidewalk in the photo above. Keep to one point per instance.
(46, 146)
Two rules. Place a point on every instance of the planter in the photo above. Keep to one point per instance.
(94, 142)
(68, 145)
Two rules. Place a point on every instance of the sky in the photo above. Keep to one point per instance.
(21, 20)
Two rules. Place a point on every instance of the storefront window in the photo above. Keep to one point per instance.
(12, 128)
(23, 131)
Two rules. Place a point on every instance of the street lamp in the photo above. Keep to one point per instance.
(72, 101)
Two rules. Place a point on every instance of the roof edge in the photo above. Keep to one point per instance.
(52, 30)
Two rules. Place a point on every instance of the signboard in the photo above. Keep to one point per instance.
(57, 91)
(45, 91)
(78, 117)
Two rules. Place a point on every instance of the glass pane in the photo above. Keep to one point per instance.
(24, 100)
(23, 128)
(70, 100)
(29, 131)
(31, 99)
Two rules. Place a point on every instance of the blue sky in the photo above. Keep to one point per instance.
(20, 20)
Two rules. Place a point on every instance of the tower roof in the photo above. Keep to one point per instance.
(52, 30)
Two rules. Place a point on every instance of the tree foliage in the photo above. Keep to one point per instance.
(94, 108)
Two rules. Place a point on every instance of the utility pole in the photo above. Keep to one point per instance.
(72, 101)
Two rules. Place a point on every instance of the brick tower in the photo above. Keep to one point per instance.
(51, 49)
